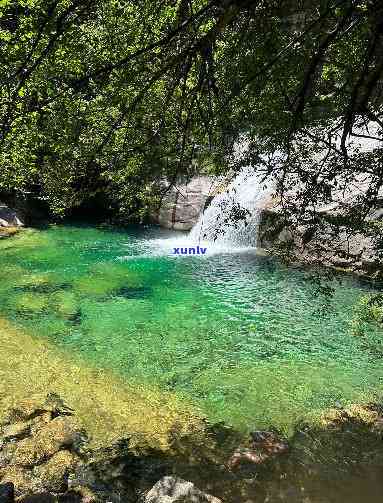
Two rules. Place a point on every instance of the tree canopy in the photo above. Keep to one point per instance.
(118, 96)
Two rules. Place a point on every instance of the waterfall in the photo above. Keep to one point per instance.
(231, 220)
(232, 217)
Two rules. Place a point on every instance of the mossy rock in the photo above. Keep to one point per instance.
(103, 279)
(47, 440)
(53, 474)
(65, 304)
(96, 286)
(39, 283)
(12, 274)
(20, 478)
(129, 277)
(31, 303)
(15, 430)
(34, 279)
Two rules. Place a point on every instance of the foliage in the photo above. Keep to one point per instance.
(369, 310)
(123, 98)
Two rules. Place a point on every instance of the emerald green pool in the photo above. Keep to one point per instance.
(249, 341)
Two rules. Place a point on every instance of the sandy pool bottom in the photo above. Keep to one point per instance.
(107, 407)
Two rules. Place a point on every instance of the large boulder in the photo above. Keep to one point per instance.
(183, 204)
(329, 242)
(175, 490)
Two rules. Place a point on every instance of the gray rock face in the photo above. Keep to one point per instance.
(340, 247)
(175, 490)
(183, 204)
(9, 217)
(324, 245)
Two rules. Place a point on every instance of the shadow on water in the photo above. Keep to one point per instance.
(339, 463)
(128, 292)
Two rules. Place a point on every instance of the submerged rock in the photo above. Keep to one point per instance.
(41, 285)
(31, 303)
(46, 440)
(55, 471)
(175, 490)
(66, 305)
(134, 292)
(263, 445)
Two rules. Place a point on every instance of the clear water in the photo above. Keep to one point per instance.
(250, 341)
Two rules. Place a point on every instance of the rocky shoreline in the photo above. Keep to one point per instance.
(45, 457)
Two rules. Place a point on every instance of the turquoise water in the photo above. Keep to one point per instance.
(249, 341)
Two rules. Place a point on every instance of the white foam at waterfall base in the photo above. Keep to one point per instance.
(231, 220)
(228, 225)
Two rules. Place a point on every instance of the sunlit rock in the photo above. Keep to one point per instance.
(31, 303)
(174, 490)
(59, 433)
(55, 471)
